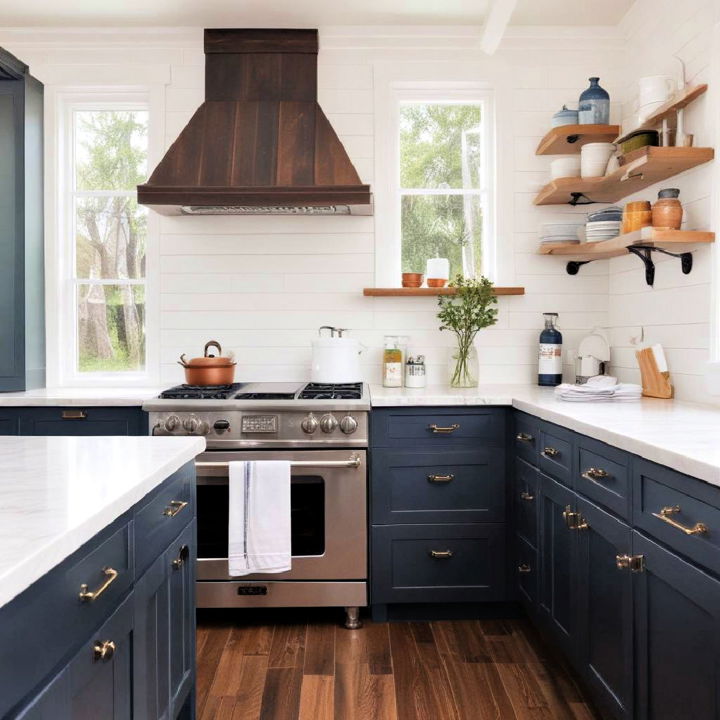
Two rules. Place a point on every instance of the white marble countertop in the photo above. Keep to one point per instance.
(85, 397)
(56, 493)
(683, 436)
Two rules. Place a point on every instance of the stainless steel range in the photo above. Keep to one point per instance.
(323, 431)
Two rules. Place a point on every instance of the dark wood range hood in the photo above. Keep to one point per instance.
(260, 143)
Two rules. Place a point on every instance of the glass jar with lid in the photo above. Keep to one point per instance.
(393, 360)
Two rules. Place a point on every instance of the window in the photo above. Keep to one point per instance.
(104, 241)
(442, 193)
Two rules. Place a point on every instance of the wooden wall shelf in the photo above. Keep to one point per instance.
(568, 139)
(640, 169)
(648, 236)
(430, 292)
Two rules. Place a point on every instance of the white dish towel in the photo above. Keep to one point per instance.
(259, 518)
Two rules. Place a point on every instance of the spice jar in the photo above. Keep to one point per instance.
(415, 376)
(667, 212)
(393, 356)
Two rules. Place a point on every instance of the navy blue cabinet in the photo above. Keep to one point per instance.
(9, 421)
(82, 421)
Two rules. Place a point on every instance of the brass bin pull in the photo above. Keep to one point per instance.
(524, 437)
(525, 495)
(103, 650)
(634, 563)
(440, 478)
(447, 430)
(574, 520)
(86, 595)
(174, 508)
(594, 474)
(665, 515)
(181, 558)
(550, 452)
(524, 568)
(441, 554)
(74, 414)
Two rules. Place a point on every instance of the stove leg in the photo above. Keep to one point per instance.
(352, 618)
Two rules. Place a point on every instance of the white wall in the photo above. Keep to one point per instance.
(263, 285)
(678, 310)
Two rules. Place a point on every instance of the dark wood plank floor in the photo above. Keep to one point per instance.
(315, 670)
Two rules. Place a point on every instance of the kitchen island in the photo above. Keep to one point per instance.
(97, 576)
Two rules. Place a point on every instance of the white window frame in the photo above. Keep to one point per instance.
(61, 283)
(388, 246)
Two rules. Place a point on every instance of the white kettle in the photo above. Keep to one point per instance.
(335, 359)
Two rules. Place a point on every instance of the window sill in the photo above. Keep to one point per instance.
(429, 292)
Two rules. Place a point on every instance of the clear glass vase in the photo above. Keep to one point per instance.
(463, 367)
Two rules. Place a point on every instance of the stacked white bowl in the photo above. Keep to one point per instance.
(565, 166)
(594, 159)
(560, 233)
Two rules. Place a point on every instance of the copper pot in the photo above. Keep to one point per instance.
(209, 369)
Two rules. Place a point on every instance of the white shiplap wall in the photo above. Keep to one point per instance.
(677, 311)
(263, 285)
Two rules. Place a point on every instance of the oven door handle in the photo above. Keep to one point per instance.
(353, 462)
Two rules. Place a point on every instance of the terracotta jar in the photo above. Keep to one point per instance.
(667, 212)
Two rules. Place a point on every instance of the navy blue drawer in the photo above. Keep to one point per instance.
(83, 421)
(556, 452)
(603, 475)
(675, 508)
(438, 486)
(525, 437)
(526, 570)
(438, 427)
(438, 563)
(525, 502)
(9, 421)
(48, 619)
(162, 518)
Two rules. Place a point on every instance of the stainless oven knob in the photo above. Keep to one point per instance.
(172, 423)
(202, 428)
(348, 425)
(328, 423)
(190, 424)
(309, 424)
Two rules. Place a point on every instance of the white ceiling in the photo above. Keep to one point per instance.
(300, 13)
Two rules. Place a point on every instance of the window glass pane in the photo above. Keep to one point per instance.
(110, 149)
(442, 226)
(440, 146)
(111, 322)
(110, 235)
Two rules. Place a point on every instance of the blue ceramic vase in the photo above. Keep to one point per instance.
(594, 106)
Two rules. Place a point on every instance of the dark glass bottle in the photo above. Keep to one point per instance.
(550, 353)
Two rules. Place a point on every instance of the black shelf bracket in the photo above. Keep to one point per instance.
(644, 252)
(578, 198)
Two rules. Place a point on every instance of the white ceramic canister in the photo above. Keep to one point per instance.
(655, 88)
(336, 359)
(415, 372)
(594, 159)
(565, 166)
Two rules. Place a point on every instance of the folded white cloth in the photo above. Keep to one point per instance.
(602, 388)
(259, 518)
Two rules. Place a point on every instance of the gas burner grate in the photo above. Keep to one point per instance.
(332, 391)
(200, 392)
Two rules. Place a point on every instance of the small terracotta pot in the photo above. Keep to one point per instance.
(667, 212)
(412, 280)
(436, 282)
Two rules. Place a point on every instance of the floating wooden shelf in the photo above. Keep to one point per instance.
(640, 169)
(648, 236)
(568, 139)
(668, 110)
(429, 292)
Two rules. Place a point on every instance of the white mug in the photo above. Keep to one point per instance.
(655, 88)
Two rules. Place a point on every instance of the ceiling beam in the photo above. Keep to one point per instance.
(497, 21)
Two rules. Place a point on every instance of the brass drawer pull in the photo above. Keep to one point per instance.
(634, 563)
(181, 558)
(665, 515)
(550, 452)
(447, 430)
(103, 650)
(525, 495)
(524, 437)
(441, 554)
(594, 474)
(440, 478)
(174, 508)
(86, 595)
(524, 568)
(74, 414)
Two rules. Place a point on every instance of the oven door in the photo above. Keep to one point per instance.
(328, 513)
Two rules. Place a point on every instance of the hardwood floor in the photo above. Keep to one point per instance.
(315, 670)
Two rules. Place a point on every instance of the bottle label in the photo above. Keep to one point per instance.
(392, 374)
(550, 359)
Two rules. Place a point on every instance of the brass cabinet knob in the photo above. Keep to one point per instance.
(181, 558)
(550, 452)
(595, 474)
(103, 650)
(524, 568)
(525, 495)
(524, 437)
